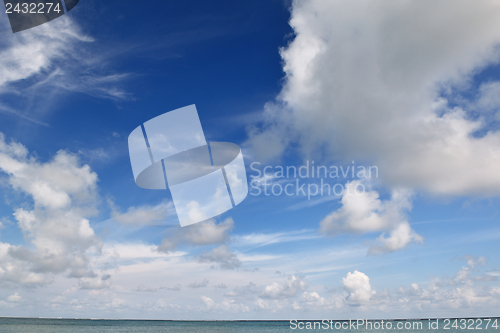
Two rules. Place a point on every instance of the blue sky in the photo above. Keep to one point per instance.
(412, 89)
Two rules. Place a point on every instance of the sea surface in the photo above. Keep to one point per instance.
(35, 325)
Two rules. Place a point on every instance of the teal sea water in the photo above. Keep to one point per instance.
(34, 325)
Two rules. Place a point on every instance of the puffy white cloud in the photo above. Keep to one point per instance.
(362, 212)
(289, 288)
(248, 293)
(314, 299)
(208, 232)
(398, 238)
(359, 288)
(226, 305)
(373, 81)
(221, 256)
(209, 303)
(56, 228)
(273, 306)
(15, 298)
(204, 233)
(458, 293)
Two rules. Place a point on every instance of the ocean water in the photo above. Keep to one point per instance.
(34, 325)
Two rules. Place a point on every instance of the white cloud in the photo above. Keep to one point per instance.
(204, 233)
(42, 62)
(251, 289)
(289, 288)
(398, 238)
(143, 288)
(133, 251)
(489, 97)
(94, 283)
(362, 212)
(460, 293)
(208, 232)
(221, 256)
(315, 298)
(457, 293)
(56, 228)
(201, 284)
(32, 52)
(273, 238)
(177, 287)
(209, 303)
(372, 81)
(226, 305)
(359, 288)
(143, 215)
(473, 261)
(15, 298)
(243, 294)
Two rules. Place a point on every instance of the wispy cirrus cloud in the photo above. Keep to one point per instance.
(273, 238)
(42, 63)
(142, 215)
